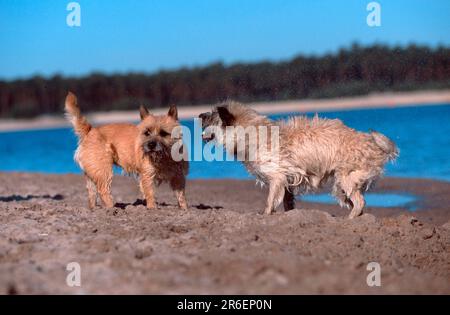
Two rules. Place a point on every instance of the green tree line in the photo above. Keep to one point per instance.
(350, 71)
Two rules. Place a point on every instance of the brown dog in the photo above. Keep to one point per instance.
(310, 152)
(144, 149)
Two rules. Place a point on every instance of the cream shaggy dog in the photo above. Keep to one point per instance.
(310, 152)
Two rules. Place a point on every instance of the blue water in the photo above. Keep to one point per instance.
(372, 200)
(422, 134)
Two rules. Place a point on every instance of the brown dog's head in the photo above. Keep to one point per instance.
(155, 132)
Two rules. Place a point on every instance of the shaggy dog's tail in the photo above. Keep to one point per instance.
(73, 114)
(385, 144)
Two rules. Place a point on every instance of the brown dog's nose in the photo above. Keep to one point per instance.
(203, 115)
(151, 145)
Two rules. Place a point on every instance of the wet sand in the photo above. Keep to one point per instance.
(221, 245)
(373, 100)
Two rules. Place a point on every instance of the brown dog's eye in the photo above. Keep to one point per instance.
(147, 133)
(163, 133)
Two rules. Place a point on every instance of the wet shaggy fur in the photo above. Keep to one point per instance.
(143, 150)
(311, 152)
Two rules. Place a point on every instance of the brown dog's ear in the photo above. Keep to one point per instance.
(173, 112)
(143, 111)
(225, 115)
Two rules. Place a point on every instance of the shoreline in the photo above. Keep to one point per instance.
(431, 204)
(371, 101)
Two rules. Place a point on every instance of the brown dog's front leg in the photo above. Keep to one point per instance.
(178, 185)
(147, 188)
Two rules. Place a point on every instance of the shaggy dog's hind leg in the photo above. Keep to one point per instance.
(358, 201)
(351, 186)
(341, 197)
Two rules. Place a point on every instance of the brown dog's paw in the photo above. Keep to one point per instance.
(153, 206)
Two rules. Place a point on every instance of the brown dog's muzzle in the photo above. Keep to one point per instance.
(152, 146)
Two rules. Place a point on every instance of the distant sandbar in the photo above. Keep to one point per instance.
(374, 100)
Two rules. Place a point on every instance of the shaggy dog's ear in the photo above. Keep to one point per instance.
(143, 111)
(225, 115)
(173, 112)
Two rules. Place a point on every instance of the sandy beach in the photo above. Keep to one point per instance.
(374, 100)
(221, 245)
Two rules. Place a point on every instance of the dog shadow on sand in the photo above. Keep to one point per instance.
(141, 202)
(30, 197)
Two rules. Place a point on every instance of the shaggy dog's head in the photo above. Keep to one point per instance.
(233, 125)
(229, 114)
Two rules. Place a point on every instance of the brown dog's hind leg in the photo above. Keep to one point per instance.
(288, 200)
(100, 172)
(95, 158)
(92, 193)
(104, 188)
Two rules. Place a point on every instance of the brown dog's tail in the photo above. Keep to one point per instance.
(385, 144)
(80, 124)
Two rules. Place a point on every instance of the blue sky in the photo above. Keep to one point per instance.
(149, 35)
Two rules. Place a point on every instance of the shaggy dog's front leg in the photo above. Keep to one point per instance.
(276, 194)
(288, 200)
